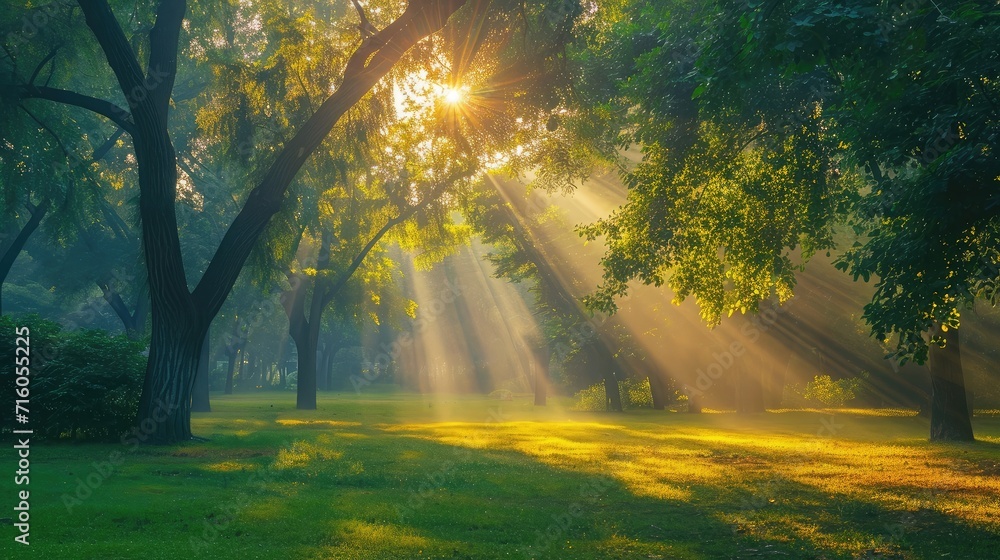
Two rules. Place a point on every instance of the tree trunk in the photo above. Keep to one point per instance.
(950, 417)
(165, 404)
(541, 362)
(335, 384)
(304, 331)
(657, 391)
(241, 363)
(612, 392)
(231, 369)
(200, 398)
(305, 395)
(324, 372)
(322, 383)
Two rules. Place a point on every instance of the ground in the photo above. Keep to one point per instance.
(407, 476)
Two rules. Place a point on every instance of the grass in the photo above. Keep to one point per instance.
(404, 476)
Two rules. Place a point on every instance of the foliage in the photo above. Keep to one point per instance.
(832, 393)
(734, 191)
(763, 124)
(635, 394)
(84, 384)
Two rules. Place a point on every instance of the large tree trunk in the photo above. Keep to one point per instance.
(304, 331)
(200, 397)
(17, 245)
(165, 404)
(306, 342)
(950, 417)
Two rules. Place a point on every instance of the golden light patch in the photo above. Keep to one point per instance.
(301, 454)
(375, 537)
(316, 423)
(663, 462)
(226, 466)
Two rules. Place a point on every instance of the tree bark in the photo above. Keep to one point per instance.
(165, 404)
(200, 397)
(950, 417)
(657, 391)
(306, 342)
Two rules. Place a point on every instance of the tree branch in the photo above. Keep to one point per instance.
(421, 19)
(163, 45)
(113, 112)
(402, 217)
(48, 57)
(367, 29)
(17, 245)
(102, 22)
(104, 148)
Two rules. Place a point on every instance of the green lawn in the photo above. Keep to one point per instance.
(406, 476)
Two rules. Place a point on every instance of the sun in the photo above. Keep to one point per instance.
(453, 96)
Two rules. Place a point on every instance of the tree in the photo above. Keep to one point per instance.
(913, 95)
(764, 125)
(736, 187)
(181, 316)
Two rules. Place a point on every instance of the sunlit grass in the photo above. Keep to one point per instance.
(405, 476)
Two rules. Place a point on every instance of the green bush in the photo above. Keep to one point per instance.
(84, 384)
(832, 393)
(635, 394)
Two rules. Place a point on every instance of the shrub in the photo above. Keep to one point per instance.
(84, 384)
(635, 394)
(592, 398)
(832, 393)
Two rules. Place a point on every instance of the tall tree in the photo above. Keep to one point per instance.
(181, 316)
(763, 125)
